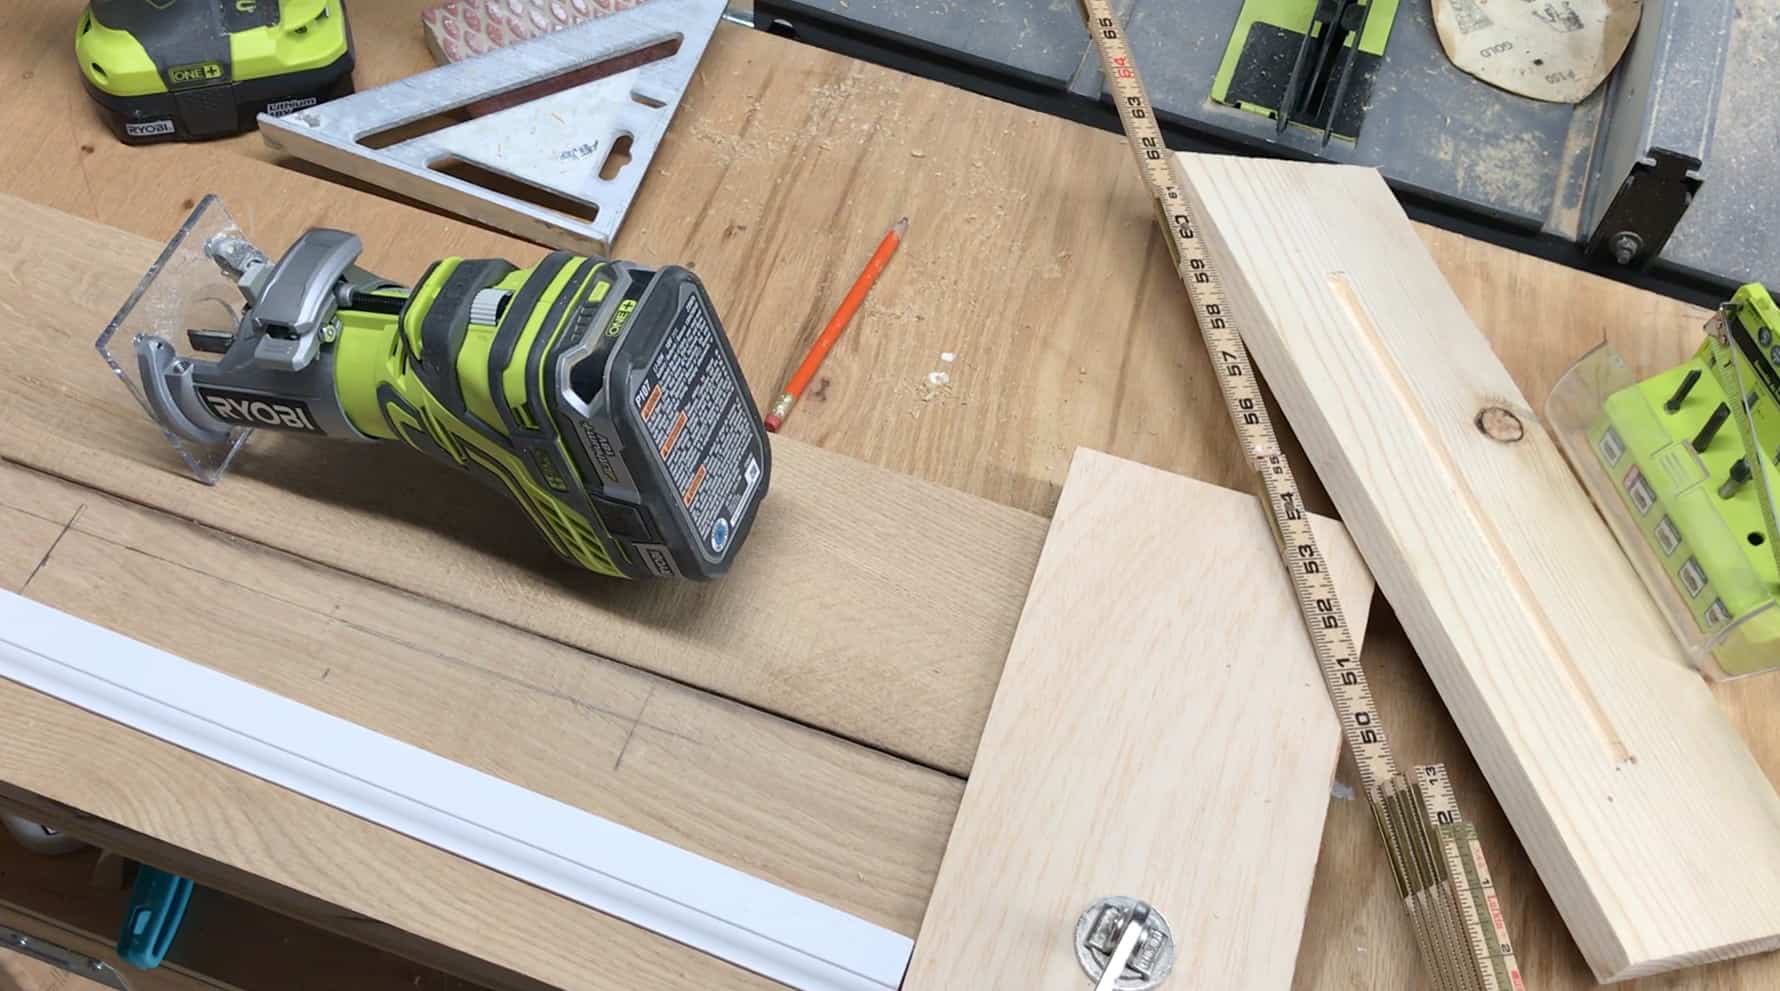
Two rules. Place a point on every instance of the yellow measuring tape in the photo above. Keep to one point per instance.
(1438, 863)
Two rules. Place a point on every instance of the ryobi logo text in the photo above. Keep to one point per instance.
(249, 410)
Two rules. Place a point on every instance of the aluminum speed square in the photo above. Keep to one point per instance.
(530, 139)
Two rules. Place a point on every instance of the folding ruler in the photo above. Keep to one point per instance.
(1436, 859)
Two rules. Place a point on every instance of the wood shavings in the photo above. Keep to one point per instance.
(938, 381)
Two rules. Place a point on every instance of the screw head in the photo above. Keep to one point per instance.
(1626, 246)
(1097, 934)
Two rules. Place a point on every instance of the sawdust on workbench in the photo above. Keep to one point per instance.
(1499, 170)
(832, 117)
(863, 111)
(1740, 189)
(1748, 131)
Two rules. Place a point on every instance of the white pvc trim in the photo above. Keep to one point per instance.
(687, 898)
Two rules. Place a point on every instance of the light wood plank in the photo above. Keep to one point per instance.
(830, 819)
(28, 539)
(1161, 732)
(1653, 828)
(34, 512)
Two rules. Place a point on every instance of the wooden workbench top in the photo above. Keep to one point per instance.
(1031, 276)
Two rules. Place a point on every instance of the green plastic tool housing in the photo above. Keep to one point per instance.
(1661, 458)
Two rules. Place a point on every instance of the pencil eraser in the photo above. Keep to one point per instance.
(772, 423)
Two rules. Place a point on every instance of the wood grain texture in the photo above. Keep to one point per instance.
(1651, 825)
(693, 770)
(784, 165)
(1053, 288)
(917, 586)
(782, 169)
(1161, 732)
(27, 538)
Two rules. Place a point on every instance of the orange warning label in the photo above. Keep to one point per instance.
(667, 446)
(698, 479)
(654, 400)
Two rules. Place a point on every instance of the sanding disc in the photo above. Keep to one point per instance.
(1556, 50)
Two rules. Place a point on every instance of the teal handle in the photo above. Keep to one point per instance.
(157, 905)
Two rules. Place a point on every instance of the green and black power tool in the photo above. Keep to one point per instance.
(601, 396)
(1690, 458)
(176, 70)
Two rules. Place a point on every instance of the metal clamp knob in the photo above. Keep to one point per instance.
(1124, 944)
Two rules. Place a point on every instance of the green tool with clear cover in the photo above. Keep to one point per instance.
(1686, 466)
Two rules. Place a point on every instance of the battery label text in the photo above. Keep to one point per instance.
(195, 74)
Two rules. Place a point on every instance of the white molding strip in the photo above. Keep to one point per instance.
(705, 905)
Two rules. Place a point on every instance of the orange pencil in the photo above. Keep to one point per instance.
(836, 324)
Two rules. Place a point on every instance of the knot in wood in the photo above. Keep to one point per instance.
(1500, 424)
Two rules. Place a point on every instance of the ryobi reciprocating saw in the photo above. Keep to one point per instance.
(601, 396)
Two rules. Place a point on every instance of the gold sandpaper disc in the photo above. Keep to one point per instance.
(1556, 50)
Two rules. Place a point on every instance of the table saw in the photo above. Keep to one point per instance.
(1652, 179)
